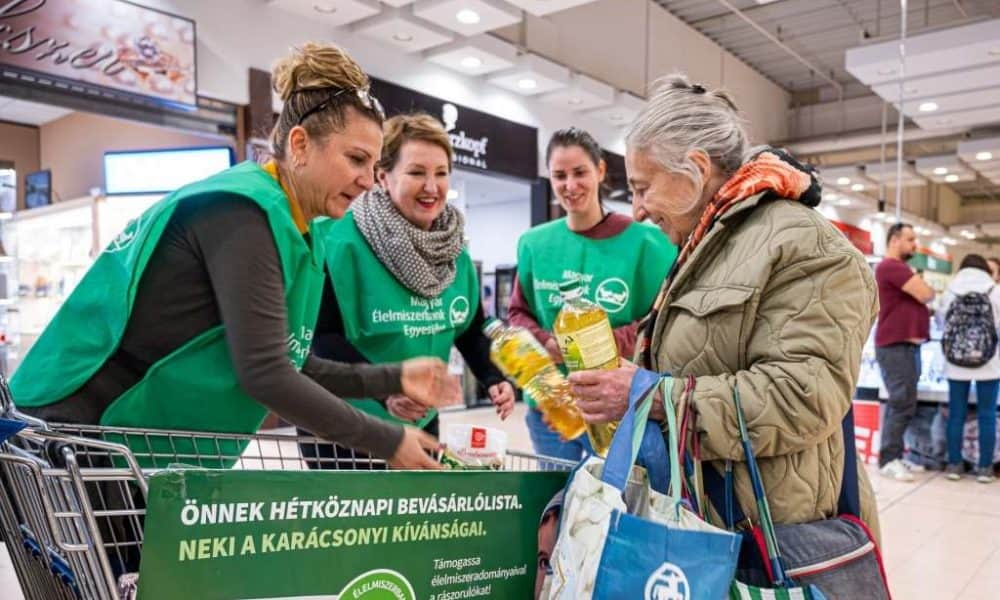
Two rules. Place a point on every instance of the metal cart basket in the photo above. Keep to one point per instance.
(73, 497)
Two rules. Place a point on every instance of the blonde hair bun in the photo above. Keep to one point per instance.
(316, 65)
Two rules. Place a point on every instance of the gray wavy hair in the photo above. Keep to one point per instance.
(680, 117)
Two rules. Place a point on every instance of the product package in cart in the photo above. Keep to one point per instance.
(474, 447)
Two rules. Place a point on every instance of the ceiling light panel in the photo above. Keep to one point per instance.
(983, 154)
(397, 3)
(335, 13)
(910, 177)
(467, 17)
(583, 93)
(843, 178)
(477, 55)
(625, 109)
(400, 29)
(928, 53)
(532, 75)
(968, 118)
(962, 101)
(540, 8)
(945, 168)
(941, 84)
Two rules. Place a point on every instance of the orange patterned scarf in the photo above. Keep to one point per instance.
(771, 170)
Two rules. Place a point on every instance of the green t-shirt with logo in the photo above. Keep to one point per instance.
(622, 273)
(383, 319)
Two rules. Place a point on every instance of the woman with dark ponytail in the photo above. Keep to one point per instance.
(621, 263)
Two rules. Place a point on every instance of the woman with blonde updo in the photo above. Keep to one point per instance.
(200, 315)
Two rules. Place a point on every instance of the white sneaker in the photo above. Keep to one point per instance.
(913, 467)
(985, 475)
(896, 470)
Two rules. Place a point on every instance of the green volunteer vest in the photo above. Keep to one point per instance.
(622, 273)
(195, 387)
(384, 320)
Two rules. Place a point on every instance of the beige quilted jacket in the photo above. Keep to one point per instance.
(776, 301)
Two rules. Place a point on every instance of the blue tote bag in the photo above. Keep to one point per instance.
(620, 538)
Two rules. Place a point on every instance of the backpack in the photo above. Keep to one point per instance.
(970, 336)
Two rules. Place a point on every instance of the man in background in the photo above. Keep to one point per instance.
(903, 325)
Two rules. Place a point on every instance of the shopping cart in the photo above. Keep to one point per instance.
(73, 502)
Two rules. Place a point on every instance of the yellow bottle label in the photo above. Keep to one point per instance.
(589, 347)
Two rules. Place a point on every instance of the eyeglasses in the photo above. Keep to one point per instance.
(363, 95)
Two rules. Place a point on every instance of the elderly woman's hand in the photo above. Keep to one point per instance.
(602, 395)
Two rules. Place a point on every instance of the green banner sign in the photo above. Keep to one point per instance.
(926, 262)
(343, 535)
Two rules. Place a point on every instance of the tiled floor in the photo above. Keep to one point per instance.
(941, 539)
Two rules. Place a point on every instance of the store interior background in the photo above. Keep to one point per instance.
(797, 88)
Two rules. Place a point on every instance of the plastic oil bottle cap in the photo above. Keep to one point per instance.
(492, 326)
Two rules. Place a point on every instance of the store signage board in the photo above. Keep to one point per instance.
(343, 534)
(926, 260)
(107, 43)
(161, 171)
(482, 142)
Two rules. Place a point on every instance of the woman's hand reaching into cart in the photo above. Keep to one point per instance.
(426, 381)
(413, 449)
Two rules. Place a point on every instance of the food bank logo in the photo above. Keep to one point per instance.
(667, 583)
(379, 584)
(612, 294)
(128, 236)
(459, 310)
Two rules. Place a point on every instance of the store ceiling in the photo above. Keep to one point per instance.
(29, 113)
(820, 31)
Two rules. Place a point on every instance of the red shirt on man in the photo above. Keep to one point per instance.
(901, 317)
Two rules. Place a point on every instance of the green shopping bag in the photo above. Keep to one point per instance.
(742, 591)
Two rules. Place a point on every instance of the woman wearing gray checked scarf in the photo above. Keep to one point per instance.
(402, 282)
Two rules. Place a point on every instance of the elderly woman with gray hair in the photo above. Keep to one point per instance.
(766, 298)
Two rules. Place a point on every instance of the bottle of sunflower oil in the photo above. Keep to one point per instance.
(517, 353)
(584, 335)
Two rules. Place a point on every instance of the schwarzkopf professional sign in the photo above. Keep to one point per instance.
(107, 43)
(482, 141)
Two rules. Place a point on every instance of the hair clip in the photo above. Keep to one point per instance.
(697, 88)
(363, 95)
